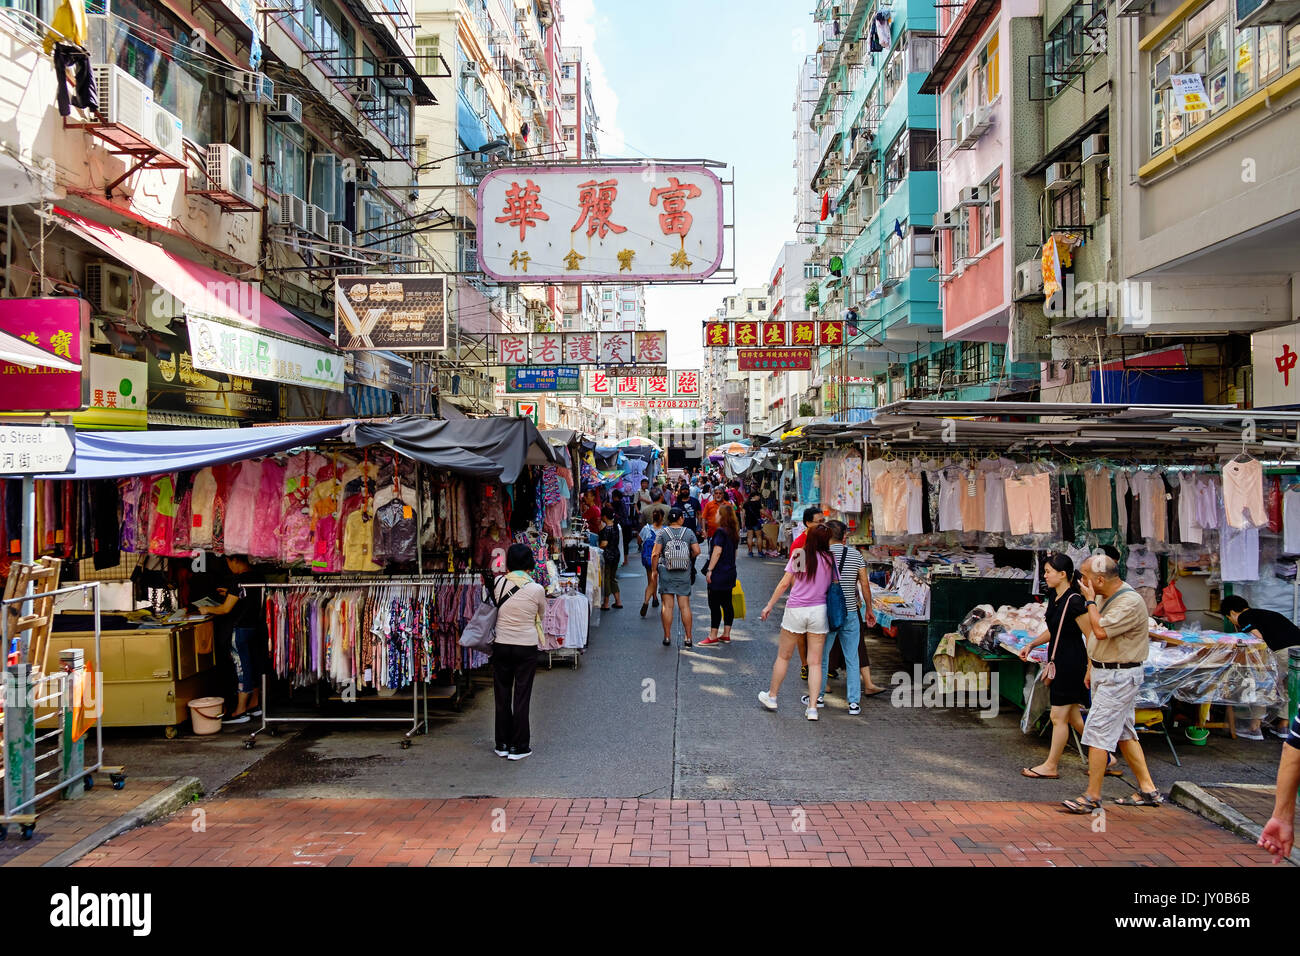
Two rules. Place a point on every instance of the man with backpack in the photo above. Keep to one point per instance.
(673, 558)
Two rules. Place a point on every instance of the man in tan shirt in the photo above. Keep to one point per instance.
(1117, 649)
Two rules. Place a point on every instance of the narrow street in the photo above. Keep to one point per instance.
(650, 748)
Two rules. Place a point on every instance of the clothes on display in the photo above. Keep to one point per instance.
(841, 481)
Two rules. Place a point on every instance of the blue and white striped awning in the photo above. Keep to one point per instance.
(370, 402)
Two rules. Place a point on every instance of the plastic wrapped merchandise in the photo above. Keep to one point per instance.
(1167, 666)
(1231, 672)
(981, 612)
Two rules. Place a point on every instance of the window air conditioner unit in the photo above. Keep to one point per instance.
(393, 77)
(946, 220)
(969, 132)
(1258, 13)
(123, 100)
(108, 288)
(166, 132)
(341, 236)
(363, 90)
(833, 87)
(230, 173)
(293, 213)
(980, 121)
(959, 134)
(1029, 280)
(973, 196)
(853, 51)
(257, 88)
(318, 222)
(1095, 148)
(1059, 176)
(287, 109)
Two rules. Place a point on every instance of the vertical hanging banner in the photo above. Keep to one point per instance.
(832, 333)
(717, 334)
(616, 348)
(803, 333)
(686, 383)
(651, 347)
(631, 222)
(746, 334)
(776, 333)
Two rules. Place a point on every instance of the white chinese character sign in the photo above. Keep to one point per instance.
(652, 347)
(512, 349)
(686, 384)
(616, 348)
(631, 222)
(547, 348)
(580, 348)
(597, 382)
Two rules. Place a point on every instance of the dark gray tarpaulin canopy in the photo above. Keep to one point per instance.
(489, 447)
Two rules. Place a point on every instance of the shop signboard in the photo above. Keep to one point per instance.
(543, 379)
(599, 382)
(677, 403)
(378, 371)
(397, 312)
(747, 333)
(773, 360)
(218, 346)
(776, 334)
(175, 385)
(119, 394)
(717, 334)
(637, 371)
(527, 410)
(60, 326)
(651, 347)
(37, 449)
(686, 383)
(1274, 356)
(627, 222)
(1188, 93)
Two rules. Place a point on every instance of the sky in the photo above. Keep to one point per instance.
(702, 79)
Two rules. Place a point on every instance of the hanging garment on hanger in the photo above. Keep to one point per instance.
(1029, 504)
(241, 513)
(1243, 494)
(1238, 553)
(1141, 565)
(995, 472)
(952, 486)
(1189, 529)
(1291, 520)
(1100, 497)
(268, 512)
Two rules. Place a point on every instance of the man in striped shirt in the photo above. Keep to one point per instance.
(852, 571)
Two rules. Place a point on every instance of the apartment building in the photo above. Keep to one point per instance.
(578, 118)
(235, 163)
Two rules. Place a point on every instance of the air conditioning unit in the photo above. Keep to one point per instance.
(293, 213)
(853, 51)
(253, 87)
(469, 68)
(318, 222)
(1258, 13)
(366, 178)
(1059, 176)
(108, 288)
(959, 134)
(166, 132)
(363, 90)
(123, 100)
(1029, 280)
(230, 172)
(287, 109)
(980, 121)
(969, 133)
(947, 220)
(833, 87)
(973, 196)
(393, 77)
(1095, 148)
(340, 236)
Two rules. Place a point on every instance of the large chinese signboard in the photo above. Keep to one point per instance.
(774, 360)
(401, 313)
(254, 353)
(1275, 355)
(750, 334)
(631, 222)
(60, 326)
(544, 379)
(175, 385)
(628, 383)
(585, 348)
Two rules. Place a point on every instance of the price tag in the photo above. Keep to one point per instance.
(407, 513)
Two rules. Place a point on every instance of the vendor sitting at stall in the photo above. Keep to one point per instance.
(1278, 633)
(242, 607)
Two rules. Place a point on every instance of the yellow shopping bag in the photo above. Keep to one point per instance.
(738, 601)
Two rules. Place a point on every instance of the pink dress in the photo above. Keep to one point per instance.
(295, 521)
(241, 507)
(266, 513)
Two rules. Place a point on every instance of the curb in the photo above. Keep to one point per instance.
(1191, 797)
(161, 804)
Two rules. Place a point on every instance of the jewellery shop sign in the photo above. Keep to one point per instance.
(395, 312)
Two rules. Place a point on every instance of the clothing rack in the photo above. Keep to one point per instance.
(419, 719)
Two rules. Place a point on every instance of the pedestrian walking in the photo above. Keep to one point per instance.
(521, 606)
(1117, 649)
(808, 576)
(1066, 631)
(853, 578)
(754, 522)
(649, 535)
(688, 512)
(676, 549)
(611, 546)
(709, 513)
(720, 576)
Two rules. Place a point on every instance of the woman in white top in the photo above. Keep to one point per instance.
(521, 605)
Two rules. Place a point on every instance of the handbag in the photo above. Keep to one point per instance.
(481, 630)
(1171, 606)
(738, 601)
(837, 609)
(1049, 669)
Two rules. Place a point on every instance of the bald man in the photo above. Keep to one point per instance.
(1117, 649)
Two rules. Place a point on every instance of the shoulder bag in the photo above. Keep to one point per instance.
(1049, 669)
(837, 609)
(481, 630)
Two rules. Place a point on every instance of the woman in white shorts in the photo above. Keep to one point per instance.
(808, 575)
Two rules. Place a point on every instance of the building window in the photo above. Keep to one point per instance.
(570, 134)
(569, 101)
(1067, 48)
(1067, 207)
(895, 166)
(629, 306)
(991, 212)
(960, 240)
(923, 248)
(1103, 188)
(990, 83)
(892, 77)
(957, 104)
(922, 51)
(607, 296)
(288, 172)
(923, 150)
(974, 360)
(897, 257)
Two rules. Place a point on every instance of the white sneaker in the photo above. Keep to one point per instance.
(766, 700)
(821, 701)
(811, 713)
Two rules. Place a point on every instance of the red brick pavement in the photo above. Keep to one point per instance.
(602, 832)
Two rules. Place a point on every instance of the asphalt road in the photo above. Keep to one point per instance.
(641, 720)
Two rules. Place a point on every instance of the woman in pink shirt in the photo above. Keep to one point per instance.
(808, 575)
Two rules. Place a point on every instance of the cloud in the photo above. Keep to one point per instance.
(582, 27)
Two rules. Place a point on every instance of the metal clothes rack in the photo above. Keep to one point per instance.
(419, 719)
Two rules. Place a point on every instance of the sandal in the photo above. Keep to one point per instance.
(687, 643)
(1033, 775)
(1141, 799)
(1113, 769)
(1084, 804)
(667, 641)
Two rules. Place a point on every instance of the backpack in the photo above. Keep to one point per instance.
(677, 553)
(648, 549)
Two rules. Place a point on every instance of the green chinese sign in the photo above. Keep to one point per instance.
(254, 353)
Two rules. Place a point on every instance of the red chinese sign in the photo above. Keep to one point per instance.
(717, 334)
(686, 383)
(523, 208)
(597, 382)
(746, 333)
(547, 349)
(776, 333)
(615, 348)
(657, 386)
(660, 403)
(651, 347)
(60, 326)
(1286, 362)
(773, 360)
(512, 349)
(596, 202)
(832, 333)
(580, 348)
(803, 333)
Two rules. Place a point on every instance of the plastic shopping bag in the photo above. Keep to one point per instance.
(738, 601)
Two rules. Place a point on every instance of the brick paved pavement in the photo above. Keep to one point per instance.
(576, 832)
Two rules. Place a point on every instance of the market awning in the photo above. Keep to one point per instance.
(488, 447)
(203, 290)
(21, 352)
(127, 454)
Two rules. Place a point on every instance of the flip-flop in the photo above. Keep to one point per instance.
(1081, 805)
(876, 693)
(1113, 769)
(1026, 772)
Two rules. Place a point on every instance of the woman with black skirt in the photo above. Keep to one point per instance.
(1065, 637)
